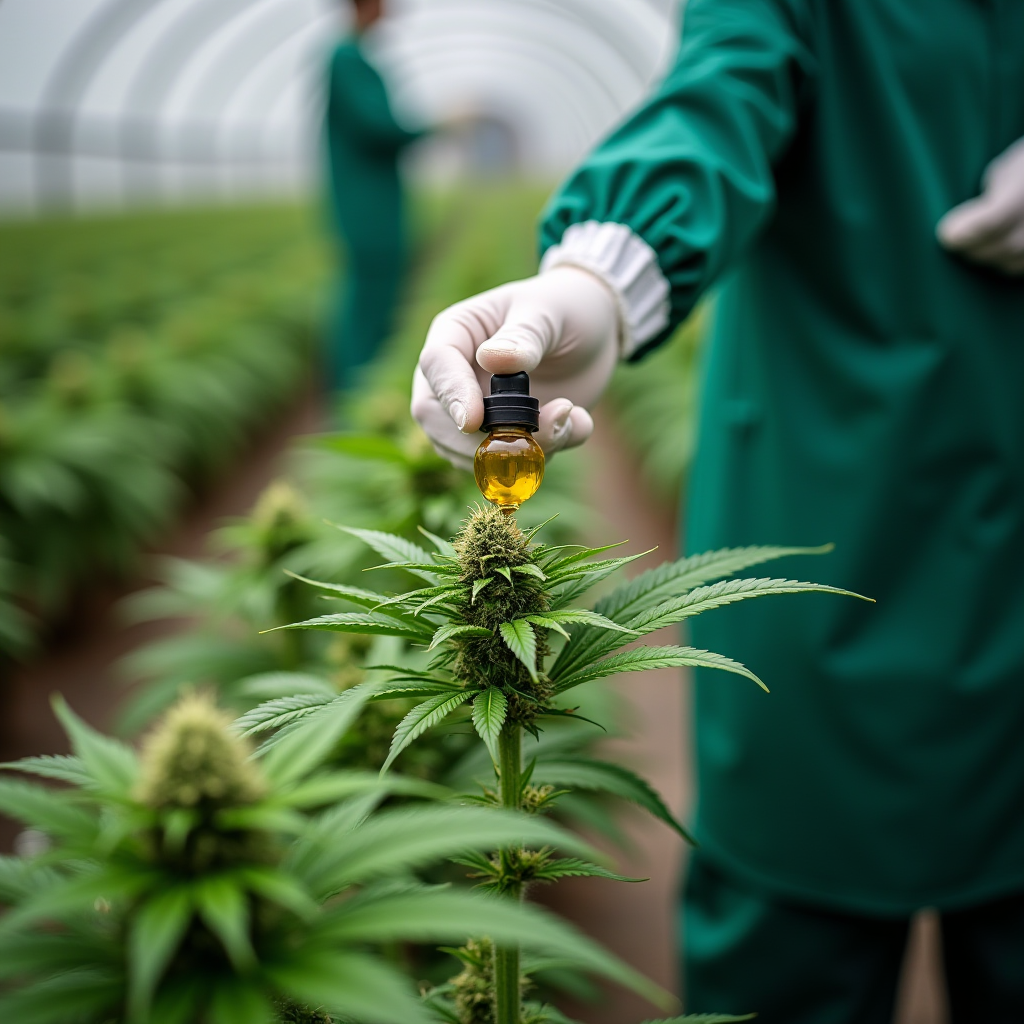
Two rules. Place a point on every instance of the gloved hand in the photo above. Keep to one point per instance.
(561, 327)
(990, 228)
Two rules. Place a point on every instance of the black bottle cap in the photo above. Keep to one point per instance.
(509, 404)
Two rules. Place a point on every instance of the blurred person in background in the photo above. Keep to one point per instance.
(364, 142)
(852, 173)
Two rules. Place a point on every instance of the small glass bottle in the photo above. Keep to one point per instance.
(509, 464)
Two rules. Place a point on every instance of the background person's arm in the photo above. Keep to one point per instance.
(655, 213)
(359, 103)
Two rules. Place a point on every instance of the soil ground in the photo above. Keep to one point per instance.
(636, 921)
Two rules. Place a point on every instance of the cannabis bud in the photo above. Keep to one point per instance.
(488, 539)
(473, 986)
(491, 548)
(289, 1012)
(280, 520)
(192, 758)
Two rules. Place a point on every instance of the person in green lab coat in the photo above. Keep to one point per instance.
(367, 202)
(850, 174)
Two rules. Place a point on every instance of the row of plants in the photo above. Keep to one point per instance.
(201, 882)
(381, 473)
(382, 476)
(137, 354)
(198, 883)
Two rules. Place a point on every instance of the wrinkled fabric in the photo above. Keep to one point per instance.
(801, 964)
(862, 386)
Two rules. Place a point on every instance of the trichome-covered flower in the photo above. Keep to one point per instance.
(193, 759)
(492, 553)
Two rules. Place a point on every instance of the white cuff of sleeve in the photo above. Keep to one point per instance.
(628, 265)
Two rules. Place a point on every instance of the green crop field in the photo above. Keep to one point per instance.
(139, 352)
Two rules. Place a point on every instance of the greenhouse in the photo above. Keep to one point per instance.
(397, 397)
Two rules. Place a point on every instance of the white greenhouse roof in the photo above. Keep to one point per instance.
(115, 100)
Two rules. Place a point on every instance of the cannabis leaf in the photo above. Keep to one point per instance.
(489, 710)
(522, 642)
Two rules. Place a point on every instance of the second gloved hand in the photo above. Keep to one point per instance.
(990, 228)
(561, 327)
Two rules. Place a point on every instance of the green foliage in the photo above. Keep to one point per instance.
(495, 639)
(289, 1012)
(227, 885)
(136, 355)
(199, 884)
(468, 998)
(192, 760)
(492, 599)
(381, 474)
(578, 772)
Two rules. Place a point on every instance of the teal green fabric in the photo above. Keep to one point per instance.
(800, 964)
(363, 314)
(862, 386)
(789, 963)
(368, 205)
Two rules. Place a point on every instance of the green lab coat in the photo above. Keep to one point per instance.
(363, 144)
(863, 386)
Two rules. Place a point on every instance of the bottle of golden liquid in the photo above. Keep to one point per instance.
(509, 464)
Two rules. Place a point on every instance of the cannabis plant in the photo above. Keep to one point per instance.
(229, 598)
(468, 997)
(196, 883)
(123, 382)
(494, 607)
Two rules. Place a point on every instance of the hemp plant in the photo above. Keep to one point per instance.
(198, 883)
(494, 607)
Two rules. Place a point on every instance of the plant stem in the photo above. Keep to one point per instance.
(506, 958)
(292, 644)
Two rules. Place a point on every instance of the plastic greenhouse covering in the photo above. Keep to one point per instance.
(111, 101)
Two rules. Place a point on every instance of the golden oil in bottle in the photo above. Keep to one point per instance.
(509, 464)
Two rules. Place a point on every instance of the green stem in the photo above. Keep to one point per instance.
(506, 958)
(292, 642)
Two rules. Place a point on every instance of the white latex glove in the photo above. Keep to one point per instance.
(990, 228)
(561, 327)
